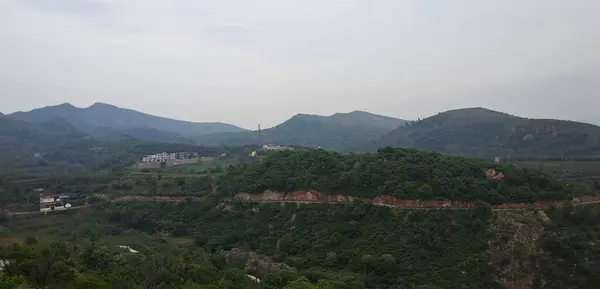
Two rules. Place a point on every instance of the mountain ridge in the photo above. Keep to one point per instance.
(483, 132)
(110, 122)
(337, 131)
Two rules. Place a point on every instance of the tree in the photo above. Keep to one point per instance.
(49, 267)
(16, 282)
(300, 283)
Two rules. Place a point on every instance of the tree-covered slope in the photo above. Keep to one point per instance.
(363, 246)
(485, 133)
(339, 131)
(56, 142)
(359, 246)
(403, 173)
(21, 139)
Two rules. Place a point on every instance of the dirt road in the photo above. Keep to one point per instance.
(314, 197)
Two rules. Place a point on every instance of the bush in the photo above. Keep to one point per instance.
(31, 240)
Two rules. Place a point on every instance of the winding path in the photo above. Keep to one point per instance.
(314, 197)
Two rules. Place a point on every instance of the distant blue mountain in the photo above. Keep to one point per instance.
(110, 122)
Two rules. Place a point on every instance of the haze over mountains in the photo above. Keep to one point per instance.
(111, 122)
(476, 132)
(339, 131)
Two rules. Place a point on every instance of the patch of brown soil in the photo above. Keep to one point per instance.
(492, 174)
(320, 197)
(11, 240)
(155, 198)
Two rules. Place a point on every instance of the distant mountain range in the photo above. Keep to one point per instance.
(339, 131)
(107, 122)
(475, 132)
(110, 122)
(482, 132)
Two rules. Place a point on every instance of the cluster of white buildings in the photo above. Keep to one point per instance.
(165, 157)
(53, 202)
(270, 147)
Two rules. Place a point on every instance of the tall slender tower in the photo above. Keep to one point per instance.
(259, 135)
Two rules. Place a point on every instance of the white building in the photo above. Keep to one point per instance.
(159, 158)
(54, 203)
(270, 147)
(165, 157)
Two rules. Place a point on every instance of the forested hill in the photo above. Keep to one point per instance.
(58, 145)
(339, 131)
(481, 132)
(402, 173)
(20, 138)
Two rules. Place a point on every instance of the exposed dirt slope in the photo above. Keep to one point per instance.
(319, 197)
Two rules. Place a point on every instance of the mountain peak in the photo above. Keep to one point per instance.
(100, 119)
(356, 113)
(101, 105)
(475, 112)
(306, 117)
(63, 105)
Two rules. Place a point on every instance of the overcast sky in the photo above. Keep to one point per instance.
(261, 61)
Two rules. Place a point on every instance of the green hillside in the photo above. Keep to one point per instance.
(213, 240)
(212, 243)
(20, 140)
(485, 133)
(339, 131)
(403, 173)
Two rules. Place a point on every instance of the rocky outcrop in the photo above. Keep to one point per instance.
(492, 174)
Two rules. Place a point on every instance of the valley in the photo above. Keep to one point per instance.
(299, 144)
(399, 217)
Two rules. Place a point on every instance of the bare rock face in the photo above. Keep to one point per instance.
(492, 174)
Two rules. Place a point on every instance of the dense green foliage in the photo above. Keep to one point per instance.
(98, 265)
(337, 132)
(288, 246)
(353, 244)
(20, 139)
(485, 133)
(570, 250)
(404, 173)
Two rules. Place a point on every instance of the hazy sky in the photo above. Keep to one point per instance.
(261, 61)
